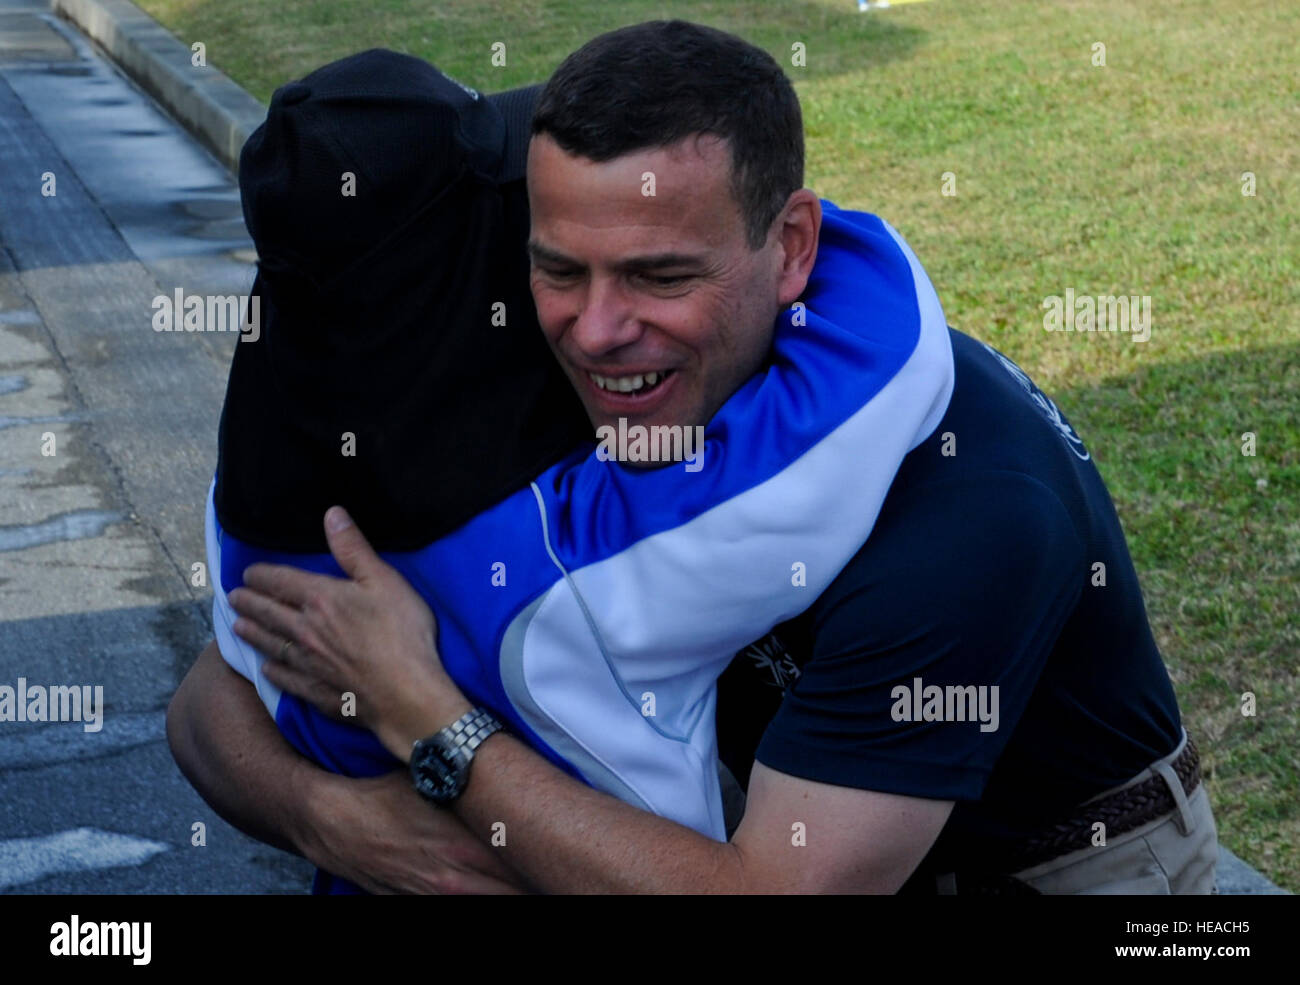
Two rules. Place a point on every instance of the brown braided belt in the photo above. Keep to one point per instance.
(1122, 811)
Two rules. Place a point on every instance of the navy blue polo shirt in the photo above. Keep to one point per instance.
(997, 561)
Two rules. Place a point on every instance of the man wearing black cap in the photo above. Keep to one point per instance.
(350, 269)
(855, 785)
(319, 352)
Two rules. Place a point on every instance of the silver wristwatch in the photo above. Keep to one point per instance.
(440, 763)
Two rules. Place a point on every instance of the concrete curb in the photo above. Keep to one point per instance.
(219, 114)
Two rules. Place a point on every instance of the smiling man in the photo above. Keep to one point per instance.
(648, 335)
(594, 251)
(976, 580)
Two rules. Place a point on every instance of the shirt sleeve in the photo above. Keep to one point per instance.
(242, 657)
(932, 601)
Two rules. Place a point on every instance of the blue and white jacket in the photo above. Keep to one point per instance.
(630, 590)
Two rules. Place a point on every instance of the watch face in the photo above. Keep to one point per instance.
(439, 772)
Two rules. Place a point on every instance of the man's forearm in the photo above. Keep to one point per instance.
(377, 832)
(565, 837)
(230, 750)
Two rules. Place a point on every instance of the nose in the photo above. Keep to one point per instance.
(606, 321)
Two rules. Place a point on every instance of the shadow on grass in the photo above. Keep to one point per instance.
(1215, 536)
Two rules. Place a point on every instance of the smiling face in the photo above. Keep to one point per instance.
(654, 305)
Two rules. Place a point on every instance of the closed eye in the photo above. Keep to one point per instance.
(558, 274)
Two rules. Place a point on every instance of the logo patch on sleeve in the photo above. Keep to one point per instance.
(773, 662)
(1043, 402)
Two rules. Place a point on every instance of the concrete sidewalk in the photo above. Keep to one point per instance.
(99, 539)
(105, 203)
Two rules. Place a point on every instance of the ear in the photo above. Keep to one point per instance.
(800, 226)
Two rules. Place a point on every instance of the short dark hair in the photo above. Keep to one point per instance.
(653, 84)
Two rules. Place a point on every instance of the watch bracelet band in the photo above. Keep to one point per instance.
(469, 731)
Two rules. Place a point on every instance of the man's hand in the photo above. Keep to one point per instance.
(382, 835)
(379, 833)
(370, 635)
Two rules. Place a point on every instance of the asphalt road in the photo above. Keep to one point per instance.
(97, 539)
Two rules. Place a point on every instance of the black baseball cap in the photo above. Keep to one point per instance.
(401, 128)
(390, 216)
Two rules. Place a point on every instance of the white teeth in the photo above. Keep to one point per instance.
(627, 384)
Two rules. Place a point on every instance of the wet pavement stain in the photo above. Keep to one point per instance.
(11, 422)
(21, 317)
(77, 525)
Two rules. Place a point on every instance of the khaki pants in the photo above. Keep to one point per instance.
(1173, 855)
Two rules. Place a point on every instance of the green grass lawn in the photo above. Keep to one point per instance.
(1122, 179)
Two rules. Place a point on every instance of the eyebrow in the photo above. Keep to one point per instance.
(632, 265)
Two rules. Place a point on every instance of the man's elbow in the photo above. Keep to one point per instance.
(185, 712)
(180, 734)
